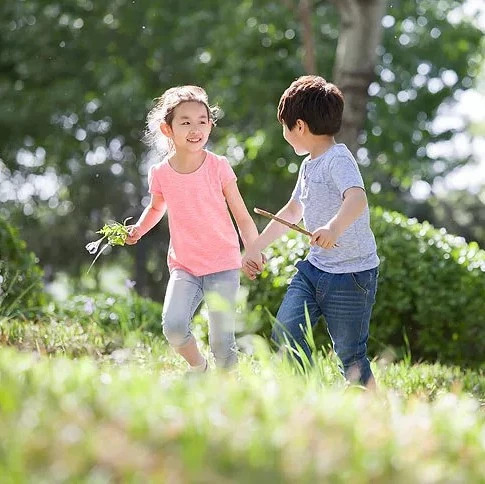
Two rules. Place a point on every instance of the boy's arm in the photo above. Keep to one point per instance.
(152, 214)
(353, 205)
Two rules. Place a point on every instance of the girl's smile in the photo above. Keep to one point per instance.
(195, 139)
(190, 126)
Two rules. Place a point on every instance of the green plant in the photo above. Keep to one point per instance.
(115, 232)
(112, 312)
(136, 420)
(431, 288)
(21, 286)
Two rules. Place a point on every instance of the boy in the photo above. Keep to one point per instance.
(337, 282)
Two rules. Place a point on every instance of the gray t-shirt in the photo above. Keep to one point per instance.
(320, 188)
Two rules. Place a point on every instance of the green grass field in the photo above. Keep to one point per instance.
(79, 403)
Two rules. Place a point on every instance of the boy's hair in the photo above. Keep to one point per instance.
(164, 110)
(314, 100)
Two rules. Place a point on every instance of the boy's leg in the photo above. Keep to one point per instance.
(183, 296)
(347, 307)
(220, 292)
(291, 321)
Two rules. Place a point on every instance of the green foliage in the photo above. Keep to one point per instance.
(57, 414)
(431, 288)
(81, 421)
(21, 287)
(88, 325)
(75, 88)
(59, 335)
(458, 210)
(424, 61)
(93, 325)
(112, 312)
(429, 381)
(115, 233)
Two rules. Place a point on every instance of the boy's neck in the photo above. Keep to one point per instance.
(319, 144)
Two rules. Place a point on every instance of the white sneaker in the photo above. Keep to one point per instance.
(202, 368)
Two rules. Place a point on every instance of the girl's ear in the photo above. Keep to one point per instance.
(166, 129)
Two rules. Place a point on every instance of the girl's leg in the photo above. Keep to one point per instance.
(220, 291)
(183, 296)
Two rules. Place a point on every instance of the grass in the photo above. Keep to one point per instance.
(82, 403)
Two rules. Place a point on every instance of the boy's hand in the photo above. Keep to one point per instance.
(133, 235)
(324, 237)
(252, 264)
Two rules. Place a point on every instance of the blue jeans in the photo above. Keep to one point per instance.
(185, 293)
(344, 300)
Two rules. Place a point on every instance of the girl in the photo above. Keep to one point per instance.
(195, 187)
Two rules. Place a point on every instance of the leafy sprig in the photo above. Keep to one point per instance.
(115, 233)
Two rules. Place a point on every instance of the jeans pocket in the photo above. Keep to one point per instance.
(362, 280)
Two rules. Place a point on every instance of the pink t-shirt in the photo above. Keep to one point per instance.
(203, 239)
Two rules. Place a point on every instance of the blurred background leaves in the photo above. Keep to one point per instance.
(77, 79)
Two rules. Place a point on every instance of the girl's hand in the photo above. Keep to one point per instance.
(253, 263)
(133, 235)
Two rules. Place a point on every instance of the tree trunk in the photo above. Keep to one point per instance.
(360, 34)
(305, 14)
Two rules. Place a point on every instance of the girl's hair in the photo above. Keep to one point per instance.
(164, 109)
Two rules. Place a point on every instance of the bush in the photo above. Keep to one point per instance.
(112, 312)
(431, 290)
(21, 287)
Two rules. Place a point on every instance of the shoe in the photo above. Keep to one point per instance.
(202, 368)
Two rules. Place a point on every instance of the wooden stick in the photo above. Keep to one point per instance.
(264, 213)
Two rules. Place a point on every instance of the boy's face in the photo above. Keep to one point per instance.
(295, 137)
(190, 127)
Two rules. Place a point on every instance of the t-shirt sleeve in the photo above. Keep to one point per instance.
(297, 190)
(226, 173)
(153, 183)
(345, 174)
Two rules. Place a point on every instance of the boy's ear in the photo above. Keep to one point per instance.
(301, 125)
(166, 129)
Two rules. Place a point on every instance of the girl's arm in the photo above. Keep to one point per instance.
(245, 223)
(152, 214)
(247, 227)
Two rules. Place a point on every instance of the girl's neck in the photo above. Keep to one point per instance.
(185, 162)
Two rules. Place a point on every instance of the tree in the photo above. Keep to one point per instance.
(77, 79)
(360, 35)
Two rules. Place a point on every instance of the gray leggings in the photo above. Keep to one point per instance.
(185, 293)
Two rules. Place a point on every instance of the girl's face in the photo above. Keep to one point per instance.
(190, 127)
